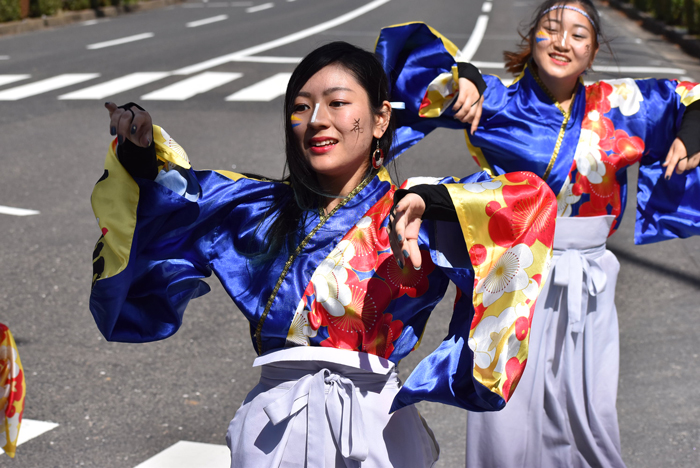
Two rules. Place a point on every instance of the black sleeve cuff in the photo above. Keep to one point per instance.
(438, 203)
(138, 161)
(689, 132)
(470, 72)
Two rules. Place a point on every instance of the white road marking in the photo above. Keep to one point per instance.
(44, 86)
(215, 62)
(94, 21)
(186, 454)
(115, 86)
(4, 57)
(687, 78)
(241, 4)
(7, 79)
(486, 7)
(31, 429)
(260, 59)
(202, 22)
(123, 40)
(265, 90)
(192, 86)
(475, 39)
(255, 9)
(8, 210)
(616, 69)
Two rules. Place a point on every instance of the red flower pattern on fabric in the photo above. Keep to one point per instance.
(406, 280)
(526, 216)
(514, 370)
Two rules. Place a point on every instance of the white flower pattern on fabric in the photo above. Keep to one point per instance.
(330, 277)
(507, 275)
(478, 187)
(300, 331)
(588, 157)
(625, 95)
(491, 331)
(566, 199)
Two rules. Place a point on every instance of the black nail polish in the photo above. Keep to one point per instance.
(106, 103)
(133, 129)
(667, 177)
(400, 238)
(112, 131)
(400, 264)
(405, 254)
(120, 139)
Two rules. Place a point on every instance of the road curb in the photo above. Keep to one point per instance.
(690, 44)
(69, 17)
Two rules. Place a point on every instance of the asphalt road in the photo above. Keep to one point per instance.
(118, 405)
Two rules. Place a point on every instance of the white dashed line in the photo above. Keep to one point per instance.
(8, 210)
(475, 39)
(202, 22)
(123, 40)
(186, 454)
(7, 79)
(264, 6)
(115, 86)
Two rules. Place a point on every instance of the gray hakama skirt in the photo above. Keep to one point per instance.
(563, 413)
(321, 407)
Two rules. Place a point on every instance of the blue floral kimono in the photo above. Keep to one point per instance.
(340, 288)
(559, 418)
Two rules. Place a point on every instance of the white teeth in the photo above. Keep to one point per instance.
(561, 58)
(323, 143)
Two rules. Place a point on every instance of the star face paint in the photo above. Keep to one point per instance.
(542, 35)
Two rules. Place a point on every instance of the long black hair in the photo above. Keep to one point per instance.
(290, 214)
(516, 61)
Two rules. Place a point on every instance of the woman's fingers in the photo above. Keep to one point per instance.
(405, 229)
(478, 107)
(124, 125)
(676, 154)
(141, 130)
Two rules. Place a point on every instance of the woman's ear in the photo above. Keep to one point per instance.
(381, 120)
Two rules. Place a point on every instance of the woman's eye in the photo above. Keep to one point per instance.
(338, 103)
(300, 107)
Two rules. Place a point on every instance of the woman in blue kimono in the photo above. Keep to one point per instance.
(308, 261)
(580, 140)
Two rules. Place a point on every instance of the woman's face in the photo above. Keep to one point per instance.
(334, 124)
(564, 45)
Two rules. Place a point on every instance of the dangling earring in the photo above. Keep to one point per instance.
(377, 157)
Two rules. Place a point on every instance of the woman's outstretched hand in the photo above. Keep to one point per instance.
(404, 228)
(132, 123)
(679, 159)
(468, 104)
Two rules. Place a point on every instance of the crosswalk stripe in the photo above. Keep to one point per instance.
(189, 87)
(8, 210)
(186, 454)
(202, 22)
(123, 40)
(265, 90)
(115, 86)
(44, 86)
(31, 429)
(7, 79)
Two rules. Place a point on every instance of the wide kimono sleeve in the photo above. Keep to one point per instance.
(421, 65)
(507, 230)
(158, 240)
(666, 209)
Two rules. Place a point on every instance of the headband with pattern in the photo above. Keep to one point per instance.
(572, 8)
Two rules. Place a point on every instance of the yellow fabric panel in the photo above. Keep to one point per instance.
(114, 202)
(688, 94)
(478, 155)
(12, 391)
(472, 211)
(168, 150)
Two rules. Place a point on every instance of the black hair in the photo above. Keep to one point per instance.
(516, 61)
(290, 214)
